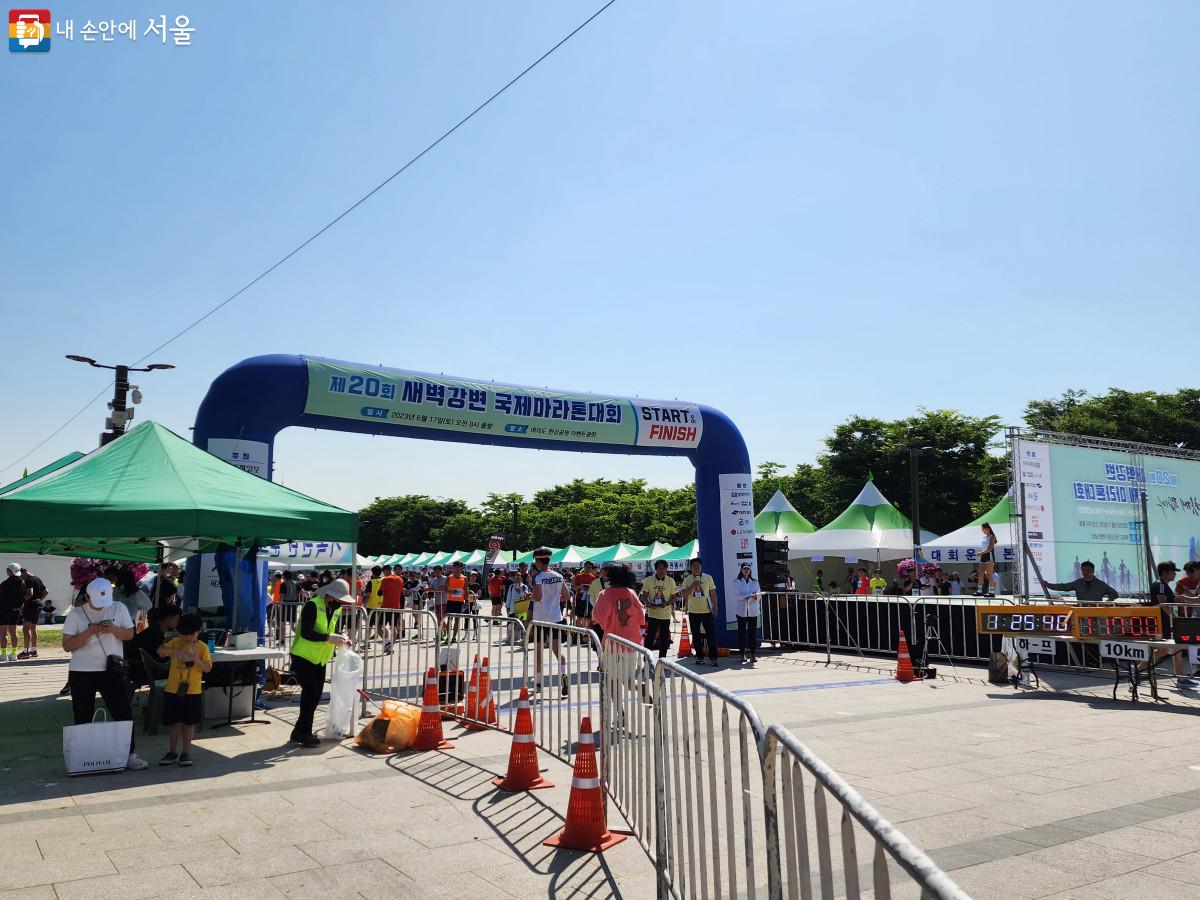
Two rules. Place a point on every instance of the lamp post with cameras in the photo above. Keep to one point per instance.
(121, 414)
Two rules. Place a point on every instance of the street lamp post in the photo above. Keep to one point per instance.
(121, 414)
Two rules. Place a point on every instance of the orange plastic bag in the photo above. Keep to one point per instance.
(395, 728)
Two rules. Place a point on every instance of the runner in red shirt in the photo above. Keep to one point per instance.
(391, 589)
(495, 588)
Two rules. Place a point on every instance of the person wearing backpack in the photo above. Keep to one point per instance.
(35, 593)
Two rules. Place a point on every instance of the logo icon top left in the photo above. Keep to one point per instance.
(29, 30)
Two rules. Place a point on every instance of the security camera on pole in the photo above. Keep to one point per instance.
(120, 413)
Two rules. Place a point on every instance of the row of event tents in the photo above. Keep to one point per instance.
(570, 556)
(872, 528)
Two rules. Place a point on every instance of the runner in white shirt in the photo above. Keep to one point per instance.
(549, 592)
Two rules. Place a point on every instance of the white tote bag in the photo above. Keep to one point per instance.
(96, 746)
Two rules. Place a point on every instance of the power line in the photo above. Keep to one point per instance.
(328, 225)
(38, 446)
(369, 194)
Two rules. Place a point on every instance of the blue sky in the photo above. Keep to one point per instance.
(795, 212)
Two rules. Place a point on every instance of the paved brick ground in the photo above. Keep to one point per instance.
(1055, 793)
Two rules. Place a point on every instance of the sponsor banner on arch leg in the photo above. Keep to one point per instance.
(737, 535)
(397, 397)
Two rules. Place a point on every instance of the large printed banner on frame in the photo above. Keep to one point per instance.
(427, 401)
(1085, 503)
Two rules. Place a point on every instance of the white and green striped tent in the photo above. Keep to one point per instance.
(615, 553)
(780, 521)
(657, 550)
(573, 555)
(869, 528)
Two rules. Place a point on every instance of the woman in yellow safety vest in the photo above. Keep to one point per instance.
(312, 648)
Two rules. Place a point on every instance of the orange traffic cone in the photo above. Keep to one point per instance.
(429, 729)
(473, 690)
(485, 702)
(523, 774)
(587, 814)
(904, 669)
(685, 641)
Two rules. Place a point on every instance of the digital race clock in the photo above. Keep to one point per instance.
(1082, 622)
(1052, 621)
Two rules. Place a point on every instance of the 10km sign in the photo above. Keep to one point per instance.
(1123, 650)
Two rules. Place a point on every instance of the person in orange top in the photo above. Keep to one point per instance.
(456, 595)
(495, 589)
(391, 589)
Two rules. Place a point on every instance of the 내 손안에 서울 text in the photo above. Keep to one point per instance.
(31, 30)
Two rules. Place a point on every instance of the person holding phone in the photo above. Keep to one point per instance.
(94, 635)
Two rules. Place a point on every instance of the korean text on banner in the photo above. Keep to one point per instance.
(428, 401)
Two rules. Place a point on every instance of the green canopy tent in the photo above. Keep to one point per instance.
(152, 495)
(869, 528)
(527, 556)
(404, 560)
(657, 550)
(44, 470)
(150, 491)
(422, 559)
(572, 555)
(441, 558)
(681, 556)
(779, 520)
(615, 553)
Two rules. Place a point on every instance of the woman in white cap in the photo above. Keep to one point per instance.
(94, 635)
(312, 648)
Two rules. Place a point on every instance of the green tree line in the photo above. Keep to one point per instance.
(961, 474)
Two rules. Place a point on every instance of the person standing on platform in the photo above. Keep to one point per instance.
(700, 593)
(658, 593)
(749, 605)
(312, 648)
(819, 582)
(987, 561)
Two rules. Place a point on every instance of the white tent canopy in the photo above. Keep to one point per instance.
(966, 542)
(869, 528)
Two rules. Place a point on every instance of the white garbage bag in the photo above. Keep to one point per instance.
(343, 694)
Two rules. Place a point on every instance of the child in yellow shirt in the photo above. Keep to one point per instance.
(190, 659)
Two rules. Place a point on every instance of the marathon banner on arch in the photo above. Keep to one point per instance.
(396, 397)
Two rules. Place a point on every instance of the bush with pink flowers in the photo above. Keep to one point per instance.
(85, 568)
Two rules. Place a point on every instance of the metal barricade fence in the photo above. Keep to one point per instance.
(499, 640)
(710, 826)
(282, 619)
(398, 647)
(563, 688)
(628, 757)
(871, 624)
(807, 832)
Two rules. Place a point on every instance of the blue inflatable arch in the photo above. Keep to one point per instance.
(251, 402)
